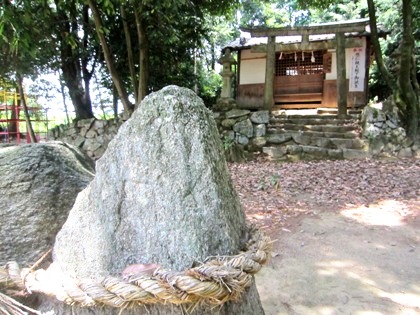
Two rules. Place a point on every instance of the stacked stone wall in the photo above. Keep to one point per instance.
(243, 127)
(382, 128)
(248, 130)
(91, 135)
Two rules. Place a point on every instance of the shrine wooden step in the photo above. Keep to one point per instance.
(298, 97)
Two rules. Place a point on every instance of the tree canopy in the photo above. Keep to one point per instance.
(135, 47)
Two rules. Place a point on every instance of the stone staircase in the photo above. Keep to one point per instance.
(314, 137)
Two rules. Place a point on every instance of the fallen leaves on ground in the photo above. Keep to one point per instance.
(272, 193)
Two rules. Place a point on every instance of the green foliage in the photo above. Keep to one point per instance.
(209, 87)
(339, 11)
(272, 13)
(21, 39)
(228, 143)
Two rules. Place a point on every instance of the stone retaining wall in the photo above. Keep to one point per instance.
(248, 130)
(243, 127)
(236, 126)
(91, 135)
(381, 127)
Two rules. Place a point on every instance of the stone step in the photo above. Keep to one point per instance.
(310, 140)
(312, 121)
(346, 135)
(319, 128)
(303, 152)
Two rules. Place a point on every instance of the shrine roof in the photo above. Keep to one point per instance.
(255, 36)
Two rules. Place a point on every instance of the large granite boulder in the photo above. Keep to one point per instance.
(38, 186)
(162, 194)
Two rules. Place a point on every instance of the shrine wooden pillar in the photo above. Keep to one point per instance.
(269, 73)
(341, 75)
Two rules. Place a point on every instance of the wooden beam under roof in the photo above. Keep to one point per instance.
(318, 45)
(317, 29)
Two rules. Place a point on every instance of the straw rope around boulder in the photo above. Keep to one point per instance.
(216, 281)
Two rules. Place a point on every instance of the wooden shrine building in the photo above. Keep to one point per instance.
(323, 65)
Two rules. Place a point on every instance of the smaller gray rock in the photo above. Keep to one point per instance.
(83, 131)
(314, 152)
(351, 154)
(416, 152)
(294, 149)
(91, 134)
(260, 130)
(258, 142)
(372, 115)
(391, 124)
(275, 152)
(78, 141)
(99, 124)
(85, 123)
(302, 139)
(234, 113)
(240, 139)
(405, 153)
(391, 147)
(335, 154)
(393, 117)
(372, 132)
(376, 145)
(278, 138)
(71, 131)
(321, 142)
(228, 123)
(260, 117)
(229, 135)
(91, 145)
(244, 128)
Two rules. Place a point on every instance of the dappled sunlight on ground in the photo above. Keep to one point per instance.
(384, 212)
(409, 297)
(347, 234)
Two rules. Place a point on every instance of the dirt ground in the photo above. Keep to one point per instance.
(347, 235)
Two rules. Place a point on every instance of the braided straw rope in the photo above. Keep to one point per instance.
(215, 282)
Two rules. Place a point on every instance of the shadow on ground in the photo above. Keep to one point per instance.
(347, 235)
(334, 264)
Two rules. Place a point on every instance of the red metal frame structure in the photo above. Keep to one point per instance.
(12, 120)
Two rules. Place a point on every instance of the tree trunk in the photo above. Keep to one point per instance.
(63, 95)
(70, 66)
(85, 60)
(130, 55)
(116, 78)
(115, 101)
(72, 79)
(29, 128)
(403, 90)
(377, 47)
(162, 194)
(144, 54)
(407, 86)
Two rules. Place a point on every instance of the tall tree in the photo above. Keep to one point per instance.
(77, 52)
(167, 34)
(62, 31)
(405, 88)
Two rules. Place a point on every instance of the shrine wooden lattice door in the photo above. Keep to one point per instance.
(299, 78)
